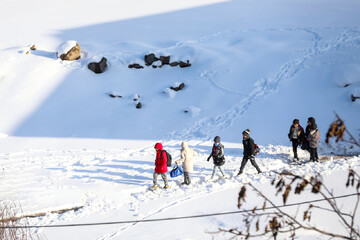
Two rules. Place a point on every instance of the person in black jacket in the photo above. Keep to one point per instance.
(217, 153)
(296, 136)
(305, 144)
(249, 148)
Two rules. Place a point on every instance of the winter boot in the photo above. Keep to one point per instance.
(155, 187)
(166, 186)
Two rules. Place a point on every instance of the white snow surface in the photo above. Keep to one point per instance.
(257, 64)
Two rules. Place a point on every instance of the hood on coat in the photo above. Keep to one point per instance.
(159, 146)
(184, 145)
(313, 126)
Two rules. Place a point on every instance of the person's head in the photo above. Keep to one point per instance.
(184, 145)
(296, 122)
(311, 120)
(158, 146)
(246, 133)
(217, 141)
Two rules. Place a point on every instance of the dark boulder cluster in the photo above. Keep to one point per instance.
(165, 60)
(99, 67)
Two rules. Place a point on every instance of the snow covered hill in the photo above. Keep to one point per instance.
(64, 142)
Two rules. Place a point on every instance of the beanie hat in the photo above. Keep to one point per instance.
(296, 121)
(217, 139)
(246, 132)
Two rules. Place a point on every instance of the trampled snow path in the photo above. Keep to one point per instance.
(86, 177)
(207, 127)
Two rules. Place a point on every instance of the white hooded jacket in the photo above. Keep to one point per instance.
(187, 157)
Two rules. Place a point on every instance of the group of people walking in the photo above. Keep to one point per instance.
(308, 140)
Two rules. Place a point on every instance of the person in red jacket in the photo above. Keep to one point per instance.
(160, 165)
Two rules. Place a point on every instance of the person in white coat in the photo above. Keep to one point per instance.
(187, 159)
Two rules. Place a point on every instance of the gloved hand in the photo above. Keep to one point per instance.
(208, 158)
(252, 156)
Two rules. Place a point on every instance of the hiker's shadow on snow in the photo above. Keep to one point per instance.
(117, 171)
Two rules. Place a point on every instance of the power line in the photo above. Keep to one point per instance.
(175, 218)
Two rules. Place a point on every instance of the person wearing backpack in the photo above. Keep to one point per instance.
(249, 152)
(187, 159)
(217, 153)
(296, 136)
(313, 138)
(160, 165)
(305, 145)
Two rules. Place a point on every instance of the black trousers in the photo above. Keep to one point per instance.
(295, 144)
(245, 160)
(313, 154)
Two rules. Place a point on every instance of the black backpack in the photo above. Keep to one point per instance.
(169, 158)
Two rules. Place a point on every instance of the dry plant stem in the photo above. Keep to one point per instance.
(300, 225)
(334, 206)
(354, 214)
(353, 140)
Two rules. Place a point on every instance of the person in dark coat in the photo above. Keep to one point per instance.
(249, 152)
(305, 145)
(217, 153)
(296, 136)
(313, 138)
(160, 165)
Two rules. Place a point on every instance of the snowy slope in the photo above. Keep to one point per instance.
(254, 64)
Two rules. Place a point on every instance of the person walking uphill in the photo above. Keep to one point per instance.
(249, 152)
(160, 165)
(187, 160)
(217, 154)
(296, 136)
(313, 138)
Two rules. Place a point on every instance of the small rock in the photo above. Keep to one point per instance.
(180, 87)
(33, 47)
(165, 60)
(353, 98)
(114, 95)
(150, 58)
(135, 65)
(99, 67)
(184, 64)
(174, 64)
(138, 105)
(136, 97)
(69, 50)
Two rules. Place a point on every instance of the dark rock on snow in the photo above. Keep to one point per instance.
(114, 95)
(165, 60)
(135, 65)
(99, 67)
(150, 58)
(180, 87)
(353, 98)
(174, 64)
(183, 64)
(139, 105)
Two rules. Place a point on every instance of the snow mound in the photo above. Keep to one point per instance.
(65, 47)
